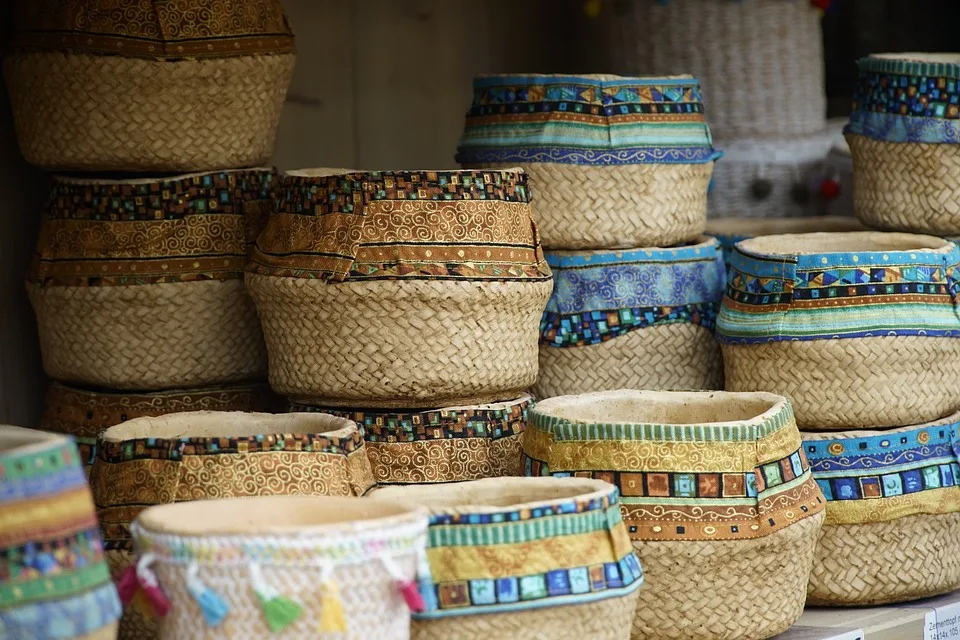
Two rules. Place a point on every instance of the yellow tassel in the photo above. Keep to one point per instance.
(332, 617)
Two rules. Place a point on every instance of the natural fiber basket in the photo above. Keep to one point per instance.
(84, 413)
(761, 62)
(306, 567)
(616, 162)
(904, 135)
(452, 444)
(641, 319)
(843, 322)
(893, 510)
(515, 558)
(730, 231)
(203, 455)
(715, 492)
(54, 582)
(401, 288)
(138, 284)
(148, 85)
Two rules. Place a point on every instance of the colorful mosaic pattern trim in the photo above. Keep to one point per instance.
(182, 229)
(888, 475)
(840, 295)
(600, 295)
(582, 120)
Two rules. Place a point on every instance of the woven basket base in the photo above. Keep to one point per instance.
(608, 619)
(113, 113)
(852, 383)
(725, 590)
(669, 356)
(134, 625)
(885, 562)
(401, 343)
(109, 632)
(144, 337)
(906, 187)
(611, 207)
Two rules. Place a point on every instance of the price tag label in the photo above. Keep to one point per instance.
(942, 623)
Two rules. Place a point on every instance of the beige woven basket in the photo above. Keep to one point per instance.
(730, 231)
(333, 566)
(893, 508)
(401, 289)
(145, 85)
(715, 491)
(138, 284)
(843, 322)
(517, 558)
(761, 62)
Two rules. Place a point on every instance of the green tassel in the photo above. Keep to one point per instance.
(278, 611)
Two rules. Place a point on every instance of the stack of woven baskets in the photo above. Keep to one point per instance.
(620, 169)
(762, 67)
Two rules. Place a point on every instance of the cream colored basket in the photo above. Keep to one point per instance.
(843, 322)
(716, 492)
(517, 558)
(730, 231)
(303, 567)
(401, 288)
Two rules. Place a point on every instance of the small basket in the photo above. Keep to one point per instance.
(138, 284)
(893, 510)
(904, 135)
(761, 62)
(715, 492)
(401, 288)
(642, 318)
(452, 444)
(304, 567)
(843, 322)
(615, 162)
(84, 413)
(148, 85)
(54, 582)
(522, 558)
(730, 231)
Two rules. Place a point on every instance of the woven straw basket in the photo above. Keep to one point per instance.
(843, 322)
(401, 288)
(893, 510)
(615, 162)
(517, 558)
(761, 62)
(203, 455)
(148, 85)
(715, 492)
(452, 444)
(54, 582)
(294, 566)
(84, 413)
(904, 135)
(642, 318)
(138, 284)
(730, 231)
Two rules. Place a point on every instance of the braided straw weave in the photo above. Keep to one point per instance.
(294, 540)
(760, 62)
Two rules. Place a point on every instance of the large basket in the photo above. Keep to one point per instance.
(730, 231)
(452, 444)
(716, 492)
(138, 284)
(904, 135)
(615, 162)
(54, 582)
(761, 62)
(84, 413)
(640, 319)
(148, 85)
(516, 558)
(843, 322)
(401, 289)
(334, 566)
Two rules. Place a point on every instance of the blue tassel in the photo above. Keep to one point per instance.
(212, 606)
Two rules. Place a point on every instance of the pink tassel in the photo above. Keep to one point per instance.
(127, 584)
(138, 578)
(157, 598)
(411, 593)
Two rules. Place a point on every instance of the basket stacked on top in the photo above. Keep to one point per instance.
(861, 330)
(762, 67)
(620, 167)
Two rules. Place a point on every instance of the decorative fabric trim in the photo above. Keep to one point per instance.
(598, 157)
(913, 68)
(77, 616)
(895, 128)
(33, 475)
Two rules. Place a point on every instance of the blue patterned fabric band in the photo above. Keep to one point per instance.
(61, 619)
(588, 121)
(600, 295)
